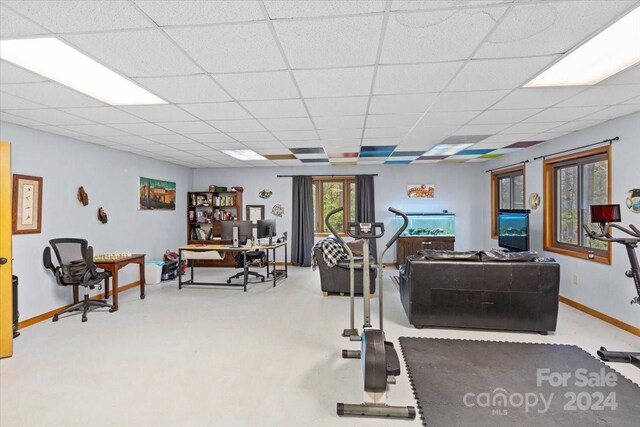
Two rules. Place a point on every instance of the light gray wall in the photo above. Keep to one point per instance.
(602, 287)
(110, 177)
(458, 190)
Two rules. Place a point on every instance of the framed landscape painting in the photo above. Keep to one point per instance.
(156, 194)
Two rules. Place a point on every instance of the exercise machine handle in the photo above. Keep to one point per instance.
(328, 224)
(405, 223)
(635, 230)
(606, 237)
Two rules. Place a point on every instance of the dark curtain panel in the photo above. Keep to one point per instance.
(366, 204)
(302, 227)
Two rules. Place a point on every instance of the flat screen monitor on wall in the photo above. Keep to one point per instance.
(513, 229)
(245, 230)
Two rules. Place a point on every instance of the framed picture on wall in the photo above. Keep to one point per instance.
(254, 213)
(27, 204)
(156, 194)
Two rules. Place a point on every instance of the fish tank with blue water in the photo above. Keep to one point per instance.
(428, 224)
(513, 229)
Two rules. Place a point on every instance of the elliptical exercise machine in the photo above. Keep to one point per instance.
(380, 363)
(607, 216)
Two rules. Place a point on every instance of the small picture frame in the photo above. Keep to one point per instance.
(27, 204)
(254, 213)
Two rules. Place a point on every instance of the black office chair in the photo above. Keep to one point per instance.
(76, 267)
(253, 257)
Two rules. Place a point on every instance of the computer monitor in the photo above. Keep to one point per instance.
(245, 230)
(266, 228)
(605, 213)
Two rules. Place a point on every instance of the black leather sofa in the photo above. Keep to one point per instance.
(480, 290)
(336, 279)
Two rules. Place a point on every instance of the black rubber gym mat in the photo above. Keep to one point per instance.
(485, 383)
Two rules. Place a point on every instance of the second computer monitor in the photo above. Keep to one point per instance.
(245, 230)
(266, 228)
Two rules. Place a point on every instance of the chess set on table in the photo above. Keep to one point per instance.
(110, 256)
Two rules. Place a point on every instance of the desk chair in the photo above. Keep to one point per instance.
(251, 256)
(76, 267)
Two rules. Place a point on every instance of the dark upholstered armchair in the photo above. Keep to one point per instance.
(336, 279)
(75, 267)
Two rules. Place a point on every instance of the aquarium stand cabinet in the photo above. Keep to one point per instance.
(411, 245)
(425, 231)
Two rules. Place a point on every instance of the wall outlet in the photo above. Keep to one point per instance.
(575, 279)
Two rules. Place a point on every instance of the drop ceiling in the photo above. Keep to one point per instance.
(317, 82)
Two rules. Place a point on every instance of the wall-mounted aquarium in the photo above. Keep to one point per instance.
(428, 224)
(513, 229)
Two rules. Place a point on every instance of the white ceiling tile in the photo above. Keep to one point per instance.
(337, 106)
(277, 108)
(186, 89)
(632, 101)
(171, 139)
(427, 37)
(398, 104)
(485, 145)
(159, 113)
(435, 118)
(612, 112)
(542, 97)
(467, 101)
(190, 146)
(216, 111)
(10, 73)
(430, 133)
(251, 136)
(549, 27)
(256, 86)
(530, 128)
(488, 74)
(602, 95)
(249, 125)
(60, 131)
(392, 120)
(147, 53)
(339, 122)
(51, 94)
(271, 147)
(95, 130)
(299, 123)
(576, 125)
(504, 116)
(374, 141)
(335, 145)
(441, 4)
(486, 129)
(211, 137)
(340, 133)
(334, 82)
(385, 132)
(629, 76)
(142, 129)
(11, 118)
(62, 16)
(296, 135)
(392, 79)
(10, 102)
(302, 144)
(188, 127)
(548, 136)
(321, 42)
(128, 140)
(192, 12)
(104, 115)
(313, 8)
(562, 114)
(50, 117)
(14, 25)
(505, 139)
(230, 48)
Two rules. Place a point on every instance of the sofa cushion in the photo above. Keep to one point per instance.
(442, 255)
(356, 247)
(502, 256)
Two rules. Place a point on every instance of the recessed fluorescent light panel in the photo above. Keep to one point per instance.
(446, 149)
(60, 62)
(244, 154)
(608, 53)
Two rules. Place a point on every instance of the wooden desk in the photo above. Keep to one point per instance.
(230, 248)
(113, 265)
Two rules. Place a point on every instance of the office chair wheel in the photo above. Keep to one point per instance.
(55, 318)
(84, 318)
(262, 280)
(112, 309)
(228, 280)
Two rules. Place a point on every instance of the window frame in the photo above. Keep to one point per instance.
(346, 181)
(550, 207)
(496, 176)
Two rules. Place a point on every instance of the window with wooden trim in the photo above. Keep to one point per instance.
(572, 184)
(330, 193)
(507, 192)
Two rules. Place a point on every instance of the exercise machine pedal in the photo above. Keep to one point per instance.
(393, 361)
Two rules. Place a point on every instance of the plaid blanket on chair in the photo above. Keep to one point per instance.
(332, 252)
